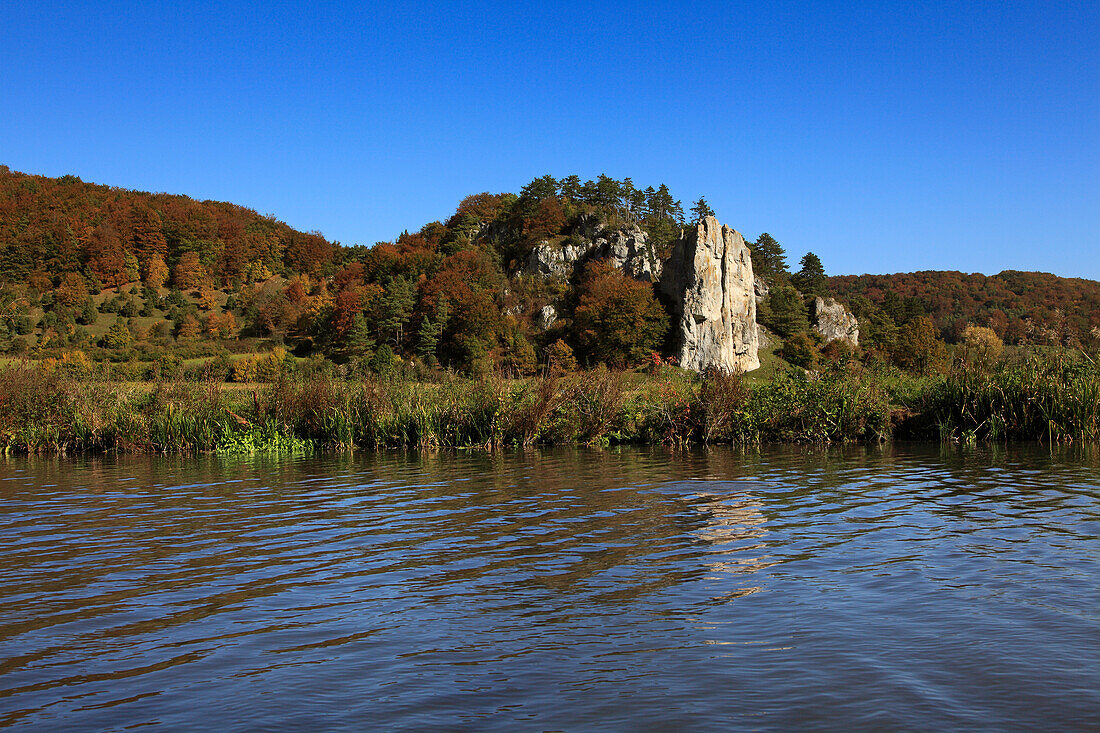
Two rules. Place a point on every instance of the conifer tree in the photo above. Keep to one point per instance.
(769, 261)
(701, 209)
(358, 343)
(784, 313)
(570, 187)
(397, 305)
(118, 336)
(810, 279)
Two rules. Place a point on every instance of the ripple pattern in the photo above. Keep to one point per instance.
(896, 588)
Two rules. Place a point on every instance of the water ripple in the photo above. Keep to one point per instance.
(636, 589)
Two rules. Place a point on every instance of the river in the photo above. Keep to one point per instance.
(898, 587)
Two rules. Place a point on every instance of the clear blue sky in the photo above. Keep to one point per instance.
(885, 137)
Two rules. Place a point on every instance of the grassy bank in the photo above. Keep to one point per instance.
(44, 410)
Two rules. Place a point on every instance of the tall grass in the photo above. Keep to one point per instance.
(1055, 399)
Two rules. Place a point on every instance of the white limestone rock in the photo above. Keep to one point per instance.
(629, 250)
(709, 282)
(554, 260)
(548, 316)
(835, 322)
(760, 289)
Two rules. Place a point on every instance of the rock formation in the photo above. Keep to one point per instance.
(548, 316)
(760, 289)
(628, 249)
(834, 321)
(554, 260)
(709, 282)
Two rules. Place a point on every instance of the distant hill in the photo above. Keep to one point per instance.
(1032, 307)
(58, 225)
(496, 285)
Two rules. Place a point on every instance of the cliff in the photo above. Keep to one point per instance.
(708, 281)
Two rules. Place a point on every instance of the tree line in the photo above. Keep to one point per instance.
(126, 272)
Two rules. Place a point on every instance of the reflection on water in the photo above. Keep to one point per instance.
(907, 587)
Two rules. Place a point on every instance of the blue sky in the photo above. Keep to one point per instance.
(884, 137)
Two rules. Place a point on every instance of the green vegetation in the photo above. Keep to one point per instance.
(149, 322)
(1050, 399)
(149, 282)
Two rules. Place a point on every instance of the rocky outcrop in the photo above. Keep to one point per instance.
(764, 337)
(709, 283)
(835, 322)
(627, 249)
(551, 259)
(760, 289)
(548, 316)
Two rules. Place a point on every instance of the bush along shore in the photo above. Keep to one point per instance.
(1054, 399)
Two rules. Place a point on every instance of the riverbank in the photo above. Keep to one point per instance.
(1052, 399)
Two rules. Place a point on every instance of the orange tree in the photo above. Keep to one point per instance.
(617, 320)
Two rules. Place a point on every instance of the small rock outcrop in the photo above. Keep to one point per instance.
(629, 250)
(554, 260)
(709, 282)
(548, 316)
(764, 337)
(835, 322)
(760, 289)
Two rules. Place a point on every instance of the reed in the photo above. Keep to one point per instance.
(1054, 398)
(51, 411)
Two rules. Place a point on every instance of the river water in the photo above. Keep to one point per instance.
(904, 587)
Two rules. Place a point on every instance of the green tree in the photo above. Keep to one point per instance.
(431, 330)
(539, 189)
(384, 362)
(701, 209)
(810, 279)
(570, 188)
(358, 343)
(130, 308)
(769, 261)
(396, 307)
(88, 313)
(784, 312)
(608, 192)
(119, 336)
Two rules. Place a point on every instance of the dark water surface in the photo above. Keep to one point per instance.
(887, 588)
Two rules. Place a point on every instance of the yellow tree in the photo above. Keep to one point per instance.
(919, 348)
(155, 271)
(982, 346)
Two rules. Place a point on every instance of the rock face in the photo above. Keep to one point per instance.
(547, 317)
(764, 337)
(835, 322)
(760, 289)
(709, 282)
(627, 249)
(553, 260)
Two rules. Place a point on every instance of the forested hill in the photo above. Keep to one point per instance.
(1031, 307)
(85, 265)
(57, 225)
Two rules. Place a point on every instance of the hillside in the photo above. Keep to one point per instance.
(563, 271)
(114, 236)
(1022, 307)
